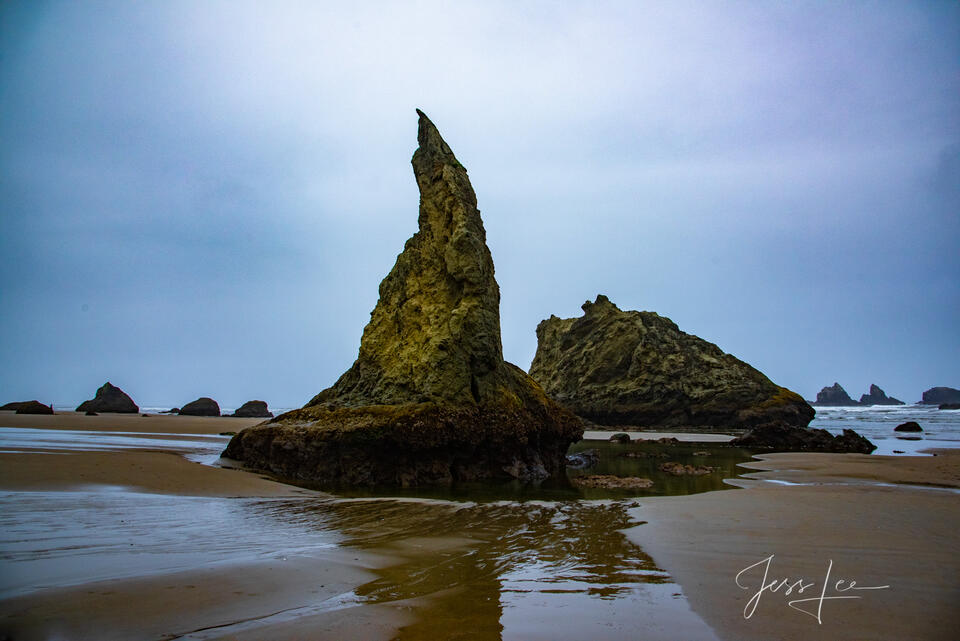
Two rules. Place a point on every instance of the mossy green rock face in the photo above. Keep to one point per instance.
(429, 399)
(637, 368)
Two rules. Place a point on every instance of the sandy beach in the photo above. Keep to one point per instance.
(882, 521)
(414, 569)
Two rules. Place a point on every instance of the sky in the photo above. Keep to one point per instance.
(201, 198)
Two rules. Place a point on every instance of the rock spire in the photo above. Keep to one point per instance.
(429, 399)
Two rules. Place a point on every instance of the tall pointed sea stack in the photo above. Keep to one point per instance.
(430, 399)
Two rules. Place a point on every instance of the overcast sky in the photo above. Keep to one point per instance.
(201, 198)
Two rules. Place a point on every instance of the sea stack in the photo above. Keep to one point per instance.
(203, 406)
(109, 398)
(938, 395)
(617, 367)
(878, 397)
(253, 409)
(834, 396)
(430, 399)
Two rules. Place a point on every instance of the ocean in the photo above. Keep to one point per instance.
(941, 428)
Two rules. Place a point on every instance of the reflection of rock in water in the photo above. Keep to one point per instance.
(460, 565)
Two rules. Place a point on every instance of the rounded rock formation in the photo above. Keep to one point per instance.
(34, 407)
(938, 395)
(203, 406)
(253, 409)
(909, 426)
(617, 367)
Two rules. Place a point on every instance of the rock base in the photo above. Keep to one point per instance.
(408, 445)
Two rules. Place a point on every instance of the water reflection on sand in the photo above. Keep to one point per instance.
(491, 569)
(510, 570)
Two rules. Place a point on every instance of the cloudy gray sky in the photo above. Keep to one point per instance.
(201, 198)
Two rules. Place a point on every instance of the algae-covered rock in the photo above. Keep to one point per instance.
(611, 482)
(429, 399)
(618, 367)
(109, 398)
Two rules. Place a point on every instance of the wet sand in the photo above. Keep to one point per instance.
(159, 472)
(239, 601)
(427, 570)
(152, 423)
(849, 509)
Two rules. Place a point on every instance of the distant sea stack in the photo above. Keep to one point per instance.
(253, 409)
(30, 407)
(878, 397)
(834, 396)
(109, 398)
(203, 406)
(939, 395)
(430, 399)
(617, 367)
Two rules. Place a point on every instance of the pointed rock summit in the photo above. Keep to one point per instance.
(618, 367)
(834, 396)
(429, 399)
(878, 397)
(109, 398)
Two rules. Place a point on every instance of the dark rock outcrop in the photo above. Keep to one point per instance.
(34, 407)
(938, 395)
(679, 469)
(909, 426)
(12, 407)
(430, 399)
(619, 437)
(109, 398)
(834, 396)
(610, 482)
(203, 406)
(800, 439)
(949, 406)
(637, 368)
(878, 397)
(253, 409)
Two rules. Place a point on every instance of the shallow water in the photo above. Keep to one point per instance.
(498, 570)
(510, 569)
(514, 562)
(941, 428)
